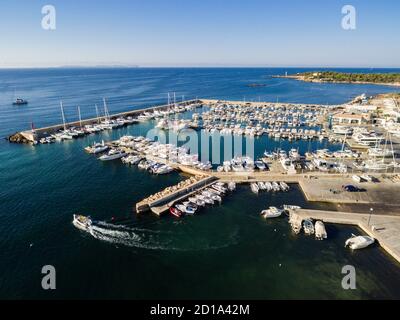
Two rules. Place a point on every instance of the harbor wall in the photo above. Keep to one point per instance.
(44, 131)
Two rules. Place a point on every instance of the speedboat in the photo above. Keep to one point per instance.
(211, 195)
(254, 187)
(231, 186)
(275, 186)
(284, 186)
(288, 207)
(218, 188)
(206, 199)
(261, 185)
(260, 165)
(359, 242)
(272, 212)
(19, 102)
(308, 226)
(320, 231)
(186, 209)
(197, 201)
(191, 204)
(268, 186)
(82, 222)
(175, 212)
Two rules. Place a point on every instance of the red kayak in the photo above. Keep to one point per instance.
(175, 212)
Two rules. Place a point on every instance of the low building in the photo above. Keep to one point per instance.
(361, 108)
(345, 118)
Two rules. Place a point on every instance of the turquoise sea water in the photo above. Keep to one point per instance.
(226, 251)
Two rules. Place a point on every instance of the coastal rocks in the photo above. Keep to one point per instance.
(18, 138)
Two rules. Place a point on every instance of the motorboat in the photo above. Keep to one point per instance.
(199, 202)
(284, 186)
(272, 212)
(97, 148)
(175, 212)
(219, 188)
(254, 187)
(189, 210)
(164, 169)
(260, 165)
(359, 242)
(206, 199)
(82, 222)
(113, 154)
(275, 186)
(308, 226)
(320, 231)
(261, 185)
(342, 130)
(19, 102)
(191, 204)
(231, 186)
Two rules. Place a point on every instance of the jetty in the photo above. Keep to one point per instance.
(384, 228)
(162, 201)
(35, 134)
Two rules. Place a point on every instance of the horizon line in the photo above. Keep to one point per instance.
(116, 66)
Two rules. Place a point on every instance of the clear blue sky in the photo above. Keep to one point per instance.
(200, 33)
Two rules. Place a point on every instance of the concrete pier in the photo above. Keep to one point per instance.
(384, 228)
(163, 203)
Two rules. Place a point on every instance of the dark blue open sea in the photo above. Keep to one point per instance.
(225, 252)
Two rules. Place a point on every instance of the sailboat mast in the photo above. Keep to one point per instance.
(97, 113)
(62, 114)
(80, 118)
(106, 114)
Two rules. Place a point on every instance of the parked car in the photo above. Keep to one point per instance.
(351, 188)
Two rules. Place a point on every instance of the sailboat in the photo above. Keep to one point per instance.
(374, 164)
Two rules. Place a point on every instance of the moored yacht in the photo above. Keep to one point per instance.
(359, 242)
(272, 212)
(113, 154)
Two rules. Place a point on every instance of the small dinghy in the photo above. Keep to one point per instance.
(308, 226)
(175, 212)
(359, 242)
(272, 212)
(320, 231)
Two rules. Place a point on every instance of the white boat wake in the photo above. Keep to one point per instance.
(155, 239)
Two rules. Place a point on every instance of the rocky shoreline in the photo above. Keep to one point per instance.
(305, 79)
(18, 138)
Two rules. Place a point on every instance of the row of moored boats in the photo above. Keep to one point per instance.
(208, 196)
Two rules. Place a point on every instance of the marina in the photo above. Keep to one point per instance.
(137, 165)
(154, 212)
(323, 175)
